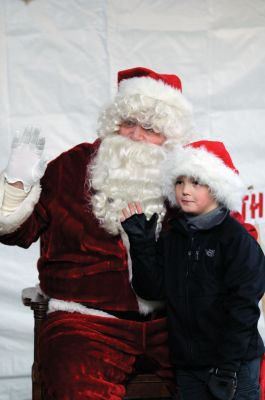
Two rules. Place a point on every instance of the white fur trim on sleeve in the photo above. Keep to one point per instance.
(71, 306)
(11, 222)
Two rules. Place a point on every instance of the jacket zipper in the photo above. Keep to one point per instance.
(189, 330)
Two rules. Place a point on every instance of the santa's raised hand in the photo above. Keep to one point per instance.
(26, 163)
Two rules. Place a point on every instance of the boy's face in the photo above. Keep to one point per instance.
(194, 198)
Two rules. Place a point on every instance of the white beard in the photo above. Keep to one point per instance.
(124, 171)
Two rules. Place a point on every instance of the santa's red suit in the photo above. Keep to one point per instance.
(86, 356)
(94, 336)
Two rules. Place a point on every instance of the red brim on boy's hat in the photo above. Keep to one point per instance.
(153, 100)
(210, 163)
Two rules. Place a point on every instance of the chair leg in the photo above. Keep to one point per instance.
(36, 387)
(39, 305)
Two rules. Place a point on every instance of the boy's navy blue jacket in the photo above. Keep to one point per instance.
(212, 281)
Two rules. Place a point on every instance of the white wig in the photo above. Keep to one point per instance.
(153, 103)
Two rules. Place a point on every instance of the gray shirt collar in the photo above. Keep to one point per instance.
(206, 221)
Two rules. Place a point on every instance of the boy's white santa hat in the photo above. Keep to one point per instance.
(153, 100)
(210, 164)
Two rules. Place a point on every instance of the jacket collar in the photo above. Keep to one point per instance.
(201, 222)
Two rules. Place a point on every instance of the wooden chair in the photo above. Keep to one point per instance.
(140, 387)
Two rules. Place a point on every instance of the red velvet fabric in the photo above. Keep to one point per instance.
(89, 357)
(79, 261)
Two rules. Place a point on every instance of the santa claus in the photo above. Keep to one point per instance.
(97, 329)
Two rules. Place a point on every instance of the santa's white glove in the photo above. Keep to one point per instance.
(26, 163)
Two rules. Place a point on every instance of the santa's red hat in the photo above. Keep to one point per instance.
(151, 99)
(139, 72)
(210, 163)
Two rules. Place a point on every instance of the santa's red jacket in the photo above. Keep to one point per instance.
(79, 260)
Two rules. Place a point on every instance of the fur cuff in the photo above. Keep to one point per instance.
(11, 222)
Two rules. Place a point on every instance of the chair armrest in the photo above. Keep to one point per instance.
(31, 298)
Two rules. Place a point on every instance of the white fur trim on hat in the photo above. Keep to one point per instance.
(224, 183)
(153, 104)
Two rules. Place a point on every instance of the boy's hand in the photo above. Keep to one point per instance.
(26, 163)
(133, 208)
(135, 224)
(222, 384)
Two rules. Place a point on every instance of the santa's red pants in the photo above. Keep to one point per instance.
(90, 357)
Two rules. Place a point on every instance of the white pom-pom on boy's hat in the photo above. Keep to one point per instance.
(208, 162)
(151, 99)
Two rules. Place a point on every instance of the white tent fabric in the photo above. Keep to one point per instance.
(58, 67)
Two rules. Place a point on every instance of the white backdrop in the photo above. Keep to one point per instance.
(58, 65)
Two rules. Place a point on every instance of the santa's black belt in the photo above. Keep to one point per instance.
(134, 315)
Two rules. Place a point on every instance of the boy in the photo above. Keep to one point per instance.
(209, 270)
